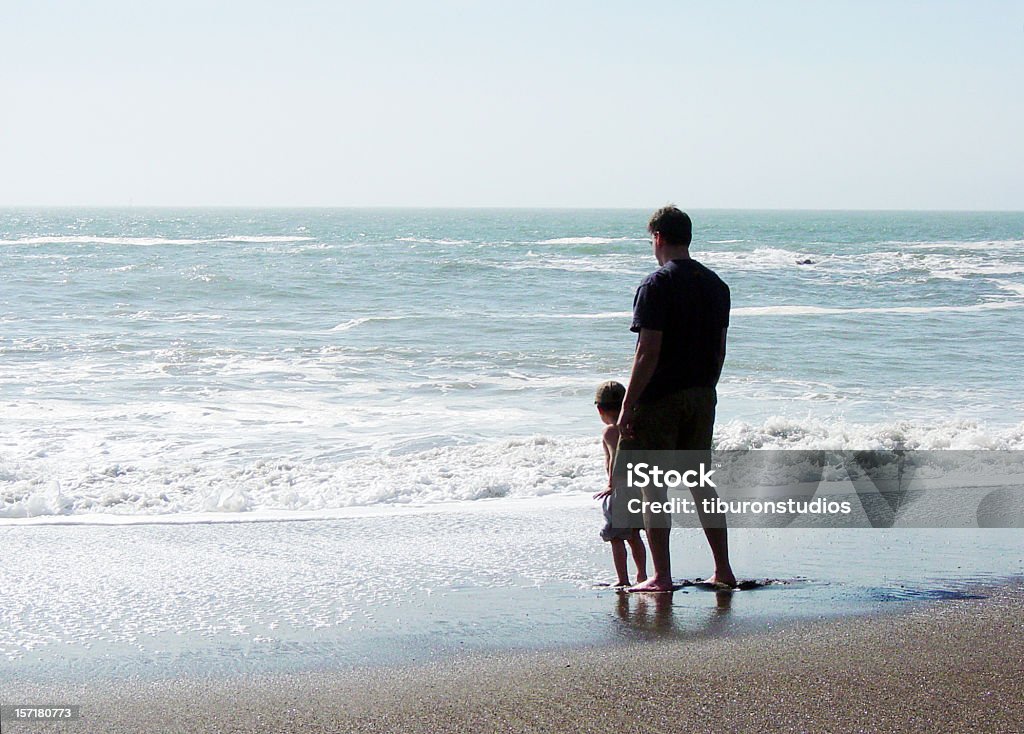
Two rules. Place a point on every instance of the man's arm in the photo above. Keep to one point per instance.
(721, 355)
(648, 349)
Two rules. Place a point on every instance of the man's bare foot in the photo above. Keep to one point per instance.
(651, 585)
(721, 579)
(621, 582)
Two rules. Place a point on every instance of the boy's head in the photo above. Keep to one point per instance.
(608, 400)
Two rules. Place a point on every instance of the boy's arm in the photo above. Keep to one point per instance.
(609, 442)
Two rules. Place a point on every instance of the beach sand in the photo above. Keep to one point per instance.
(950, 666)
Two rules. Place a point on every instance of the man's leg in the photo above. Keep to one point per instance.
(661, 559)
(696, 433)
(655, 427)
(718, 539)
(658, 526)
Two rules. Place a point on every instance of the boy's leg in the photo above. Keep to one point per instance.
(636, 546)
(619, 557)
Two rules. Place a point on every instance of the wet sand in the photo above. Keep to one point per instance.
(948, 666)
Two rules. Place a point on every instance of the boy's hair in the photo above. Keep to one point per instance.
(609, 396)
(674, 225)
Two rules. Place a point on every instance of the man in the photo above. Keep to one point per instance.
(681, 313)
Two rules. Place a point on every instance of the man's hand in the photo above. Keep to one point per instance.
(625, 422)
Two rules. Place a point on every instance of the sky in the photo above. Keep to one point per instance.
(790, 105)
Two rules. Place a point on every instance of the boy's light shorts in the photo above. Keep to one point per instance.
(609, 531)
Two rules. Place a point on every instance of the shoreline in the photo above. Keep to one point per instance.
(154, 602)
(949, 665)
(149, 602)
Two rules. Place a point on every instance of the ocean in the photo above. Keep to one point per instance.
(237, 441)
(160, 362)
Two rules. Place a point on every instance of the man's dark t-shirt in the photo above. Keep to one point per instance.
(689, 304)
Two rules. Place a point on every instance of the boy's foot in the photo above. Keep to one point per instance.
(651, 585)
(620, 583)
(717, 579)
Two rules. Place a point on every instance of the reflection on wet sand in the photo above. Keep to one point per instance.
(647, 616)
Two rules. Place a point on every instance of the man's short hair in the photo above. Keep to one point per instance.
(674, 225)
(609, 395)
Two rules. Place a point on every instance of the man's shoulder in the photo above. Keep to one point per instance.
(708, 275)
(684, 270)
(684, 275)
(663, 275)
(653, 277)
(694, 266)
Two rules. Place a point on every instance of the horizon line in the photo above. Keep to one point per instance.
(325, 207)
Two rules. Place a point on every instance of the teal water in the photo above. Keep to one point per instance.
(161, 361)
(201, 366)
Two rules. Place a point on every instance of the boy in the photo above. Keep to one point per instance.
(609, 402)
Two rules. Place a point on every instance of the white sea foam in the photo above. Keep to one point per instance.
(261, 238)
(149, 241)
(914, 265)
(587, 240)
(919, 266)
(984, 246)
(910, 310)
(171, 318)
(353, 323)
(626, 265)
(532, 467)
(571, 316)
(758, 259)
(780, 432)
(1017, 288)
(519, 468)
(435, 241)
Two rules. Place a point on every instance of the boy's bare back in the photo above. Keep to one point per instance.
(610, 441)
